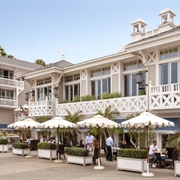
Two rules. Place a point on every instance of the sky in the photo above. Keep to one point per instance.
(85, 29)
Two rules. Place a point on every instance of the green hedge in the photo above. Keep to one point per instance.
(46, 145)
(20, 145)
(133, 153)
(3, 141)
(75, 151)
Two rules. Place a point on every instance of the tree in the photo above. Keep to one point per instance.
(40, 62)
(109, 114)
(10, 56)
(74, 118)
(174, 140)
(138, 135)
(3, 53)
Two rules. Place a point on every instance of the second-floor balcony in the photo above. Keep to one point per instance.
(132, 104)
(161, 97)
(164, 97)
(41, 108)
(11, 83)
(8, 103)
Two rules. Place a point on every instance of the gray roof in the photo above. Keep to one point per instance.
(61, 64)
(19, 63)
(157, 35)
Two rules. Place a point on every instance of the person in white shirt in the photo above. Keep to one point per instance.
(151, 153)
(89, 140)
(109, 143)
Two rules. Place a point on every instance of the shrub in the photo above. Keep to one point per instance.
(3, 141)
(114, 95)
(88, 98)
(105, 95)
(133, 153)
(46, 145)
(76, 99)
(142, 92)
(75, 151)
(64, 101)
(20, 145)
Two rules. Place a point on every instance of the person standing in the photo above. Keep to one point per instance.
(109, 143)
(89, 140)
(151, 153)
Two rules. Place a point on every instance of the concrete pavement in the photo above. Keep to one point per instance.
(18, 167)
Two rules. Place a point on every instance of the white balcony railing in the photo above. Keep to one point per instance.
(11, 82)
(8, 103)
(160, 97)
(124, 104)
(165, 97)
(41, 108)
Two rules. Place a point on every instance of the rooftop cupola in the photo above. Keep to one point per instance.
(166, 20)
(138, 28)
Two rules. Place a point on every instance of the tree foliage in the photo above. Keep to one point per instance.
(74, 118)
(40, 62)
(3, 53)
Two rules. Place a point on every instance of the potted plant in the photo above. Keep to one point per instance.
(174, 141)
(20, 148)
(3, 145)
(132, 160)
(78, 156)
(47, 150)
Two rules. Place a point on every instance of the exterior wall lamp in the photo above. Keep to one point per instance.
(56, 91)
(27, 95)
(139, 77)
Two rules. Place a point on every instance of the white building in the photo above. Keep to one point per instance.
(156, 54)
(12, 90)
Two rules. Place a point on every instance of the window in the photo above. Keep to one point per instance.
(71, 78)
(43, 81)
(6, 74)
(131, 88)
(100, 86)
(168, 53)
(100, 72)
(6, 94)
(169, 73)
(71, 91)
(43, 93)
(133, 65)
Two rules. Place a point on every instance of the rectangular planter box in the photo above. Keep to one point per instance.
(47, 153)
(21, 152)
(176, 168)
(131, 164)
(79, 160)
(3, 148)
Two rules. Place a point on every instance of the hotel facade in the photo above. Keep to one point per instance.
(155, 55)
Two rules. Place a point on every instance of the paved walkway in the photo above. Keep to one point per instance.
(18, 167)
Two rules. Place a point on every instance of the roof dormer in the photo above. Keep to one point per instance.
(166, 20)
(138, 28)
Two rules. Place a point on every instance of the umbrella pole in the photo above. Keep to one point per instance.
(58, 160)
(147, 174)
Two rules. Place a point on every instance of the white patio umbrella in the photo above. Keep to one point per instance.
(147, 120)
(98, 121)
(23, 124)
(56, 123)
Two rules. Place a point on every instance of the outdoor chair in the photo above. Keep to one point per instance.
(34, 144)
(60, 150)
(173, 155)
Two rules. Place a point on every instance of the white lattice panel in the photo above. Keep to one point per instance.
(165, 97)
(125, 104)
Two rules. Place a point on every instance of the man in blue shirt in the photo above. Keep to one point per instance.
(109, 143)
(89, 140)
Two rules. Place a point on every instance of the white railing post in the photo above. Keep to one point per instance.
(149, 95)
